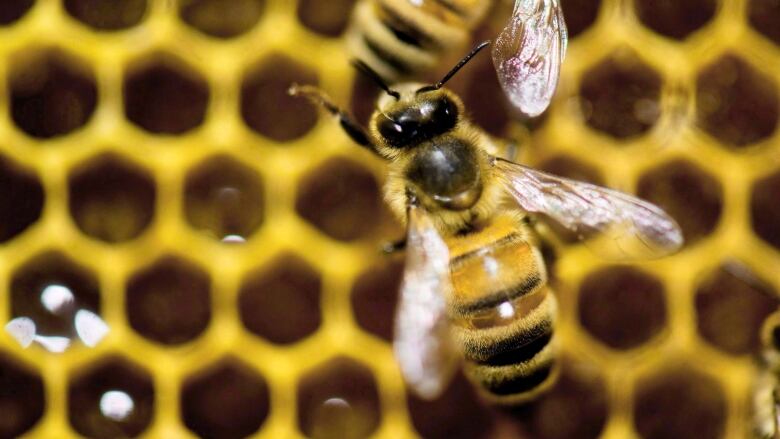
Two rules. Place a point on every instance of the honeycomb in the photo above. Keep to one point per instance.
(152, 163)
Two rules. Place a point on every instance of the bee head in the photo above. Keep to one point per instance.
(416, 116)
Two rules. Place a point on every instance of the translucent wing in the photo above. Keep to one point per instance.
(529, 52)
(623, 225)
(422, 343)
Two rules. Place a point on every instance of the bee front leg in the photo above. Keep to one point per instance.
(350, 126)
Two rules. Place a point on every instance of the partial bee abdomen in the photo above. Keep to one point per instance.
(398, 38)
(503, 312)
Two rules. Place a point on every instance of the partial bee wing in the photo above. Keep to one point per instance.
(529, 52)
(624, 226)
(422, 343)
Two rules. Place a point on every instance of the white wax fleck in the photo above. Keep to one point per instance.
(116, 405)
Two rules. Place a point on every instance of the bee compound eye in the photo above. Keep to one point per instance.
(399, 132)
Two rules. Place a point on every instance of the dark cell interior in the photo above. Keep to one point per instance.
(736, 104)
(223, 197)
(374, 297)
(53, 269)
(107, 16)
(764, 16)
(88, 387)
(457, 414)
(579, 14)
(338, 399)
(12, 10)
(169, 301)
(620, 96)
(690, 195)
(576, 406)
(267, 107)
(622, 307)
(765, 210)
(222, 18)
(679, 403)
(731, 306)
(21, 199)
(227, 399)
(21, 397)
(281, 301)
(51, 93)
(341, 198)
(328, 19)
(111, 199)
(673, 18)
(163, 95)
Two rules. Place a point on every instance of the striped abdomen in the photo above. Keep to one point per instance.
(503, 311)
(398, 38)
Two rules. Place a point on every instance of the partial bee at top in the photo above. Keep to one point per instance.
(400, 39)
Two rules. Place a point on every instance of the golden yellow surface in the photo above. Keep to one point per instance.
(327, 238)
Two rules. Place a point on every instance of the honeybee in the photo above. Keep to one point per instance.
(400, 38)
(474, 285)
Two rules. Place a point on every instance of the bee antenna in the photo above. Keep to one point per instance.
(374, 76)
(455, 69)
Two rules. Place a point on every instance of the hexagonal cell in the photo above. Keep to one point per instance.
(169, 301)
(265, 105)
(338, 399)
(679, 403)
(21, 397)
(107, 16)
(575, 407)
(457, 413)
(111, 199)
(52, 93)
(222, 18)
(224, 198)
(622, 307)
(111, 398)
(281, 302)
(375, 295)
(227, 399)
(570, 167)
(731, 306)
(50, 289)
(675, 19)
(764, 209)
(620, 96)
(764, 16)
(327, 19)
(690, 195)
(21, 199)
(13, 10)
(736, 104)
(163, 95)
(580, 15)
(341, 198)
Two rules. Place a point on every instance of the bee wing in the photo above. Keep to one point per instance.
(623, 225)
(529, 52)
(422, 343)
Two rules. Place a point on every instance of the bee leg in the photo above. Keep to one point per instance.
(353, 129)
(392, 247)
